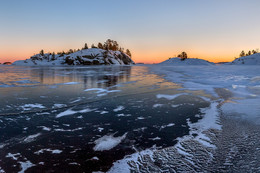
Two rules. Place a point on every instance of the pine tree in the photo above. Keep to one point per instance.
(42, 52)
(53, 56)
(242, 53)
(128, 52)
(85, 46)
(249, 52)
(93, 46)
(183, 56)
(100, 46)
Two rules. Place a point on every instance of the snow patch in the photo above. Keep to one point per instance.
(169, 97)
(31, 138)
(27, 107)
(119, 108)
(108, 142)
(25, 165)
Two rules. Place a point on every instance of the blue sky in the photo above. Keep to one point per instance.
(153, 30)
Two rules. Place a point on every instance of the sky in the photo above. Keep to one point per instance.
(153, 30)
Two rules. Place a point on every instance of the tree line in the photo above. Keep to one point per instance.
(107, 45)
(182, 55)
(250, 52)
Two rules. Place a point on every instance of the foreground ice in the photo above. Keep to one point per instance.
(233, 90)
(136, 162)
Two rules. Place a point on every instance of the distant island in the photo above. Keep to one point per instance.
(250, 58)
(182, 60)
(108, 53)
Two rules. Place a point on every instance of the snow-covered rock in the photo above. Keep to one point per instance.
(247, 60)
(188, 61)
(93, 56)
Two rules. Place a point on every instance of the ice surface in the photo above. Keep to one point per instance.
(108, 142)
(210, 120)
(246, 108)
(242, 82)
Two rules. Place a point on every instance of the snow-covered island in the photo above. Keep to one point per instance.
(247, 60)
(188, 61)
(92, 56)
(108, 53)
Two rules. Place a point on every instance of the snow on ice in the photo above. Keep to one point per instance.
(108, 142)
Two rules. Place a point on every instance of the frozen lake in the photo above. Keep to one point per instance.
(84, 119)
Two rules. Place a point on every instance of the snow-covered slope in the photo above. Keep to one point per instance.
(247, 60)
(93, 56)
(188, 61)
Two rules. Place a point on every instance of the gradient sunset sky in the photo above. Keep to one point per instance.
(154, 30)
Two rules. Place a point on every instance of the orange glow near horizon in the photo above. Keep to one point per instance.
(152, 30)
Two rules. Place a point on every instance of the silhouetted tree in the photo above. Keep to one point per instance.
(70, 51)
(249, 52)
(183, 56)
(121, 49)
(85, 46)
(42, 52)
(128, 52)
(100, 46)
(53, 56)
(93, 46)
(111, 45)
(242, 53)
